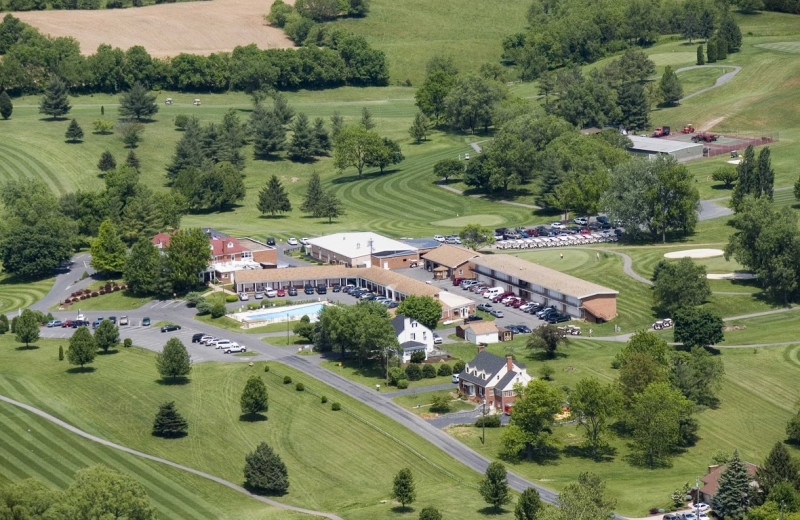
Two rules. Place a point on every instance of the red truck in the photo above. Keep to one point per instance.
(661, 131)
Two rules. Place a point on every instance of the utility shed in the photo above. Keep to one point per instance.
(680, 150)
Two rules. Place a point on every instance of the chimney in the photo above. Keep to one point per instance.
(510, 363)
(481, 348)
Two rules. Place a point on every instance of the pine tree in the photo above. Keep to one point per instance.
(322, 141)
(303, 143)
(6, 107)
(254, 399)
(4, 326)
(74, 132)
(330, 207)
(670, 86)
(282, 110)
(314, 196)
(700, 55)
(138, 103)
(174, 361)
(634, 106)
(366, 119)
(169, 423)
(337, 123)
(82, 348)
(733, 495)
(269, 134)
(403, 489)
(792, 431)
(711, 50)
(722, 47)
(528, 505)
(778, 467)
(26, 328)
(132, 160)
(766, 175)
(54, 102)
(265, 472)
(419, 128)
(494, 487)
(107, 162)
(273, 198)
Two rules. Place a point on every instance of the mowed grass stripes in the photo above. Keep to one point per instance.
(17, 294)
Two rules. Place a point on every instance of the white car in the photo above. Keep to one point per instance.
(437, 339)
(209, 340)
(557, 225)
(581, 221)
(466, 157)
(223, 344)
(271, 293)
(439, 238)
(243, 296)
(703, 508)
(304, 241)
(234, 348)
(293, 242)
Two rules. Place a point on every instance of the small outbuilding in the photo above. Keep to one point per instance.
(682, 151)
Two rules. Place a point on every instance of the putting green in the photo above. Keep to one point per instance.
(792, 47)
(483, 220)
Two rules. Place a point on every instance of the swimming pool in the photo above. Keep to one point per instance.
(261, 317)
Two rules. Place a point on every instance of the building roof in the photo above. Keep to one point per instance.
(482, 327)
(399, 323)
(421, 243)
(161, 240)
(507, 379)
(360, 243)
(254, 245)
(598, 310)
(450, 300)
(411, 346)
(390, 254)
(484, 363)
(660, 145)
(711, 479)
(543, 276)
(450, 256)
(226, 246)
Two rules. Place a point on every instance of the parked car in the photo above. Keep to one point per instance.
(466, 157)
(258, 295)
(66, 324)
(197, 337)
(524, 329)
(702, 507)
(280, 293)
(233, 348)
(671, 516)
(145, 322)
(392, 305)
(466, 284)
(557, 225)
(169, 327)
(95, 324)
(207, 340)
(337, 287)
(304, 241)
(472, 317)
(123, 320)
(486, 307)
(581, 221)
(223, 344)
(322, 289)
(271, 293)
(457, 281)
(455, 379)
(308, 289)
(558, 317)
(437, 339)
(112, 319)
(438, 238)
(270, 241)
(293, 241)
(368, 296)
(292, 291)
(513, 328)
(497, 313)
(243, 296)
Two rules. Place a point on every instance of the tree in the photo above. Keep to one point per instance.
(471, 102)
(254, 399)
(711, 50)
(314, 196)
(269, 134)
(534, 412)
(174, 363)
(82, 347)
(4, 327)
(366, 119)
(403, 488)
(27, 328)
(169, 423)
(140, 265)
(187, 256)
(419, 128)
(281, 109)
(424, 309)
(778, 467)
(54, 103)
(74, 132)
(431, 95)
(547, 339)
(102, 492)
(448, 168)
(385, 155)
(793, 429)
(656, 415)
(107, 162)
(766, 175)
(108, 250)
(584, 500)
(265, 472)
(594, 405)
(729, 30)
(725, 174)
(131, 133)
(670, 86)
(6, 107)
(476, 236)
(106, 335)
(430, 513)
(102, 127)
(634, 106)
(697, 327)
(273, 198)
(132, 161)
(337, 124)
(354, 146)
(698, 375)
(700, 55)
(137, 103)
(304, 142)
(679, 284)
(330, 206)
(494, 487)
(528, 506)
(733, 494)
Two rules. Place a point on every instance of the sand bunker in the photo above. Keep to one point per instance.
(695, 253)
(731, 276)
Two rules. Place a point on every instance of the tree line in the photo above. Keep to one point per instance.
(30, 59)
(38, 5)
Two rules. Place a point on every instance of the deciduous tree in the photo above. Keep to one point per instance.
(656, 416)
(698, 375)
(476, 236)
(403, 489)
(679, 284)
(82, 347)
(106, 335)
(447, 169)
(528, 505)
(131, 133)
(494, 486)
(471, 101)
(273, 198)
(354, 146)
(27, 328)
(140, 265)
(726, 174)
(419, 128)
(697, 327)
(265, 472)
(431, 95)
(430, 513)
(424, 309)
(547, 339)
(793, 429)
(385, 155)
(169, 423)
(534, 412)
(584, 500)
(174, 363)
(187, 256)
(254, 398)
(102, 492)
(138, 103)
(594, 405)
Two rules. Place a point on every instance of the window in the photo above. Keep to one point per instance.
(413, 336)
(424, 335)
(460, 271)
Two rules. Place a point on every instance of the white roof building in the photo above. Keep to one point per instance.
(355, 249)
(680, 150)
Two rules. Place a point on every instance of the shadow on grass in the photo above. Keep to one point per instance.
(108, 352)
(604, 453)
(402, 509)
(366, 176)
(81, 370)
(252, 417)
(170, 436)
(539, 355)
(491, 511)
(173, 381)
(29, 347)
(272, 217)
(261, 491)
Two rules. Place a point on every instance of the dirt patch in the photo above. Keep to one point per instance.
(166, 29)
(708, 125)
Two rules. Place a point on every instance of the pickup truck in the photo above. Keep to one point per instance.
(234, 348)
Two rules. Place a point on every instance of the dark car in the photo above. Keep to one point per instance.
(112, 319)
(270, 241)
(292, 291)
(169, 327)
(472, 318)
(145, 322)
(322, 289)
(524, 329)
(558, 317)
(337, 287)
(308, 289)
(513, 328)
(197, 337)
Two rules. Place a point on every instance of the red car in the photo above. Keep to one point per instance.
(500, 297)
(457, 281)
(66, 324)
(281, 293)
(519, 303)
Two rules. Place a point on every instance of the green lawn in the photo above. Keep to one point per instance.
(781, 327)
(420, 403)
(119, 398)
(18, 294)
(372, 374)
(119, 300)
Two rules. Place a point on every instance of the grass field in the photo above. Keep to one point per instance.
(420, 403)
(119, 398)
(18, 294)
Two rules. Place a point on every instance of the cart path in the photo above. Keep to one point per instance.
(476, 196)
(725, 78)
(136, 453)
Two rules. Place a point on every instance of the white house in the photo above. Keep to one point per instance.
(412, 336)
(481, 332)
(492, 378)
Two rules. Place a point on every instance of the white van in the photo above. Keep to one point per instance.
(494, 291)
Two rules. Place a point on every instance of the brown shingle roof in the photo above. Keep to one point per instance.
(711, 479)
(482, 327)
(544, 276)
(450, 255)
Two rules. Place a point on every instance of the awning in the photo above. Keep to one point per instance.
(596, 309)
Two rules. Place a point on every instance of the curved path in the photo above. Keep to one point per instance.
(720, 80)
(136, 453)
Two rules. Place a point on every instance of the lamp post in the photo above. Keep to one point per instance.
(483, 420)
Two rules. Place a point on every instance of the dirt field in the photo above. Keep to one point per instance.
(166, 29)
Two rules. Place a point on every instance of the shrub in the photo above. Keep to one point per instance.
(230, 298)
(203, 307)
(94, 294)
(127, 343)
(546, 371)
(458, 367)
(445, 370)
(402, 384)
(287, 380)
(428, 371)
(396, 374)
(418, 356)
(440, 404)
(300, 387)
(489, 421)
(266, 368)
(193, 298)
(181, 120)
(218, 310)
(323, 399)
(60, 353)
(336, 407)
(793, 430)
(413, 372)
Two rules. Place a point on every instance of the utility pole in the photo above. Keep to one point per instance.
(697, 497)
(483, 421)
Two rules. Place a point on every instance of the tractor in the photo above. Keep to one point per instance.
(706, 137)
(688, 129)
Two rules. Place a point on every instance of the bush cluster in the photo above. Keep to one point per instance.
(84, 294)
(490, 421)
(413, 372)
(428, 371)
(336, 407)
(287, 380)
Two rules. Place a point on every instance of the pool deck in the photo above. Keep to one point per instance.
(277, 315)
